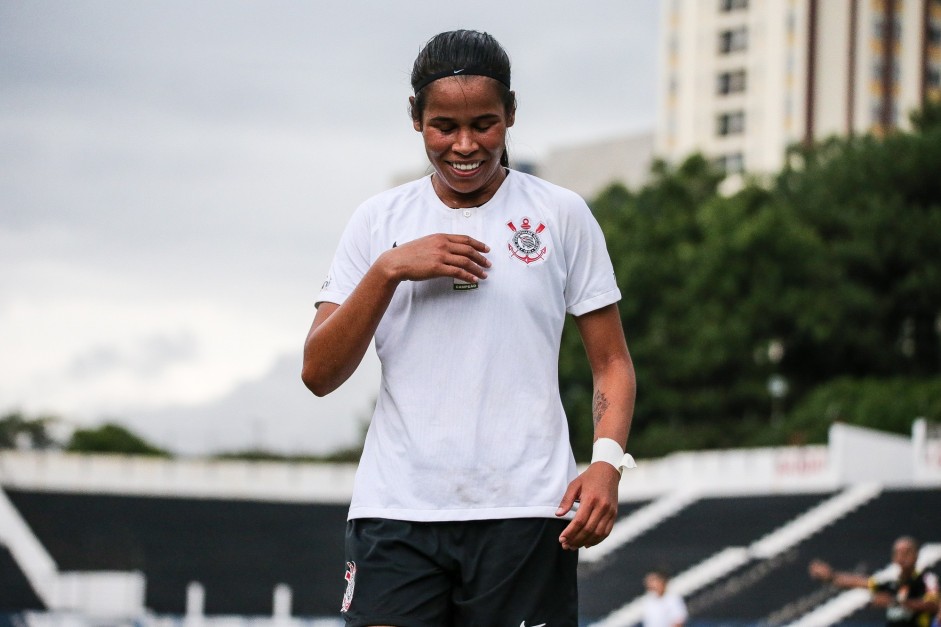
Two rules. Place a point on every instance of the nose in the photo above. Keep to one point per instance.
(464, 142)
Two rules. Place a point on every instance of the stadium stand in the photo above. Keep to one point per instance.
(238, 550)
(700, 530)
(775, 591)
(17, 593)
(736, 528)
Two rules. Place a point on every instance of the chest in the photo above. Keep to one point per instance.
(526, 252)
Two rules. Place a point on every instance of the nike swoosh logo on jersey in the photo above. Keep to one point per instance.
(523, 624)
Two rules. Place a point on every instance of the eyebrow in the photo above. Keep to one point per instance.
(479, 118)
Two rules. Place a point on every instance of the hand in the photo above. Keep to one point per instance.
(438, 255)
(820, 570)
(596, 491)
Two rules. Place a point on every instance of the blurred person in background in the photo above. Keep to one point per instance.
(909, 595)
(662, 608)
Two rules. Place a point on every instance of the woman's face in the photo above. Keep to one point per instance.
(464, 128)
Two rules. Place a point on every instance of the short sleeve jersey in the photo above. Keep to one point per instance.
(922, 585)
(469, 422)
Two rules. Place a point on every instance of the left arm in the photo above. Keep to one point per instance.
(886, 599)
(612, 372)
(929, 606)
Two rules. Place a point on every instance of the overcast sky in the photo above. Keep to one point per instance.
(174, 177)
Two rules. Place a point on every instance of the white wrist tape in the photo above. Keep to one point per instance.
(607, 450)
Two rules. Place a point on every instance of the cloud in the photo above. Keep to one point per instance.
(273, 412)
(175, 176)
(148, 357)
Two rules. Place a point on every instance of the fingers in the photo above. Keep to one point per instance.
(568, 499)
(468, 255)
(440, 255)
(596, 513)
(591, 525)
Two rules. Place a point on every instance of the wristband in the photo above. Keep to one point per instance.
(607, 450)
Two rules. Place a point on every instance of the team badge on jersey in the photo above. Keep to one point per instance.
(350, 586)
(525, 244)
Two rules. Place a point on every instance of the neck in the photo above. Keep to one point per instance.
(457, 200)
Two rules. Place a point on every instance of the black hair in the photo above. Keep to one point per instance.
(477, 53)
(660, 572)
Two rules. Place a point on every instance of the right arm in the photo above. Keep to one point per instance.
(824, 572)
(340, 334)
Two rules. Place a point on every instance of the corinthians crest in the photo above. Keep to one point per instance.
(525, 244)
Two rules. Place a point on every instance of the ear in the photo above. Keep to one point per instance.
(511, 118)
(416, 123)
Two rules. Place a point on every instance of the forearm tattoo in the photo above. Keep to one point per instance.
(598, 407)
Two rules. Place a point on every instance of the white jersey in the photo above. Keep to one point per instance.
(663, 611)
(469, 423)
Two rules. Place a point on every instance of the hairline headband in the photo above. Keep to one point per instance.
(468, 71)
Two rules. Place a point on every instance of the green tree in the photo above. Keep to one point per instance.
(651, 238)
(876, 204)
(111, 438)
(15, 427)
(885, 404)
(833, 264)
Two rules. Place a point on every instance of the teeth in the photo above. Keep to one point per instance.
(466, 166)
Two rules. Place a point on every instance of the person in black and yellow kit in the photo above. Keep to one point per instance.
(910, 595)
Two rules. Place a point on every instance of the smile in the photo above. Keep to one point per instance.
(466, 167)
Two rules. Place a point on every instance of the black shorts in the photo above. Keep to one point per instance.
(486, 573)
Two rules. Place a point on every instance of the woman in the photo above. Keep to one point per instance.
(463, 511)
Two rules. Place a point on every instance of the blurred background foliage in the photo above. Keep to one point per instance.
(760, 317)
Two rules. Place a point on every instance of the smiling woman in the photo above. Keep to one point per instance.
(464, 279)
(462, 109)
(464, 127)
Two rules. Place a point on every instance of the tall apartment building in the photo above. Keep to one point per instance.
(742, 80)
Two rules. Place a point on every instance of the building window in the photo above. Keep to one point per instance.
(732, 5)
(877, 110)
(879, 28)
(731, 82)
(933, 77)
(934, 33)
(733, 40)
(732, 123)
(879, 67)
(731, 163)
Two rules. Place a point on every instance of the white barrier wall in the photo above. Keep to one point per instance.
(737, 471)
(926, 442)
(107, 595)
(853, 455)
(858, 454)
(196, 478)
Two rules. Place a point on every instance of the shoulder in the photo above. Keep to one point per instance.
(567, 209)
(367, 220)
(930, 580)
(387, 205)
(534, 185)
(396, 195)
